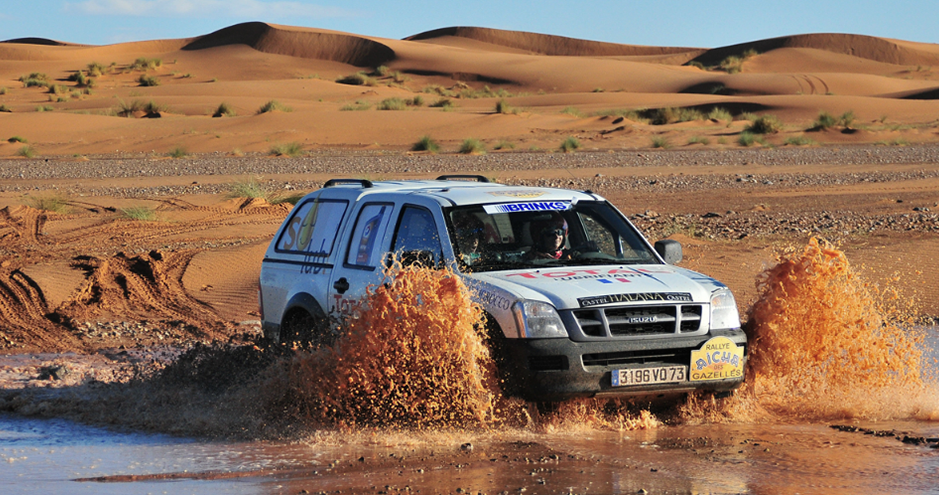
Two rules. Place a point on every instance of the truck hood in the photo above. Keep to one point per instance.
(585, 286)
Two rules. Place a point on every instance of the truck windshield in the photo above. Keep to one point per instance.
(533, 234)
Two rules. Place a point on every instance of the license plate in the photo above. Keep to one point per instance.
(649, 376)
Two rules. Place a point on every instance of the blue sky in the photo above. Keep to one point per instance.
(706, 24)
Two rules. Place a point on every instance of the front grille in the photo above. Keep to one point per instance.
(632, 321)
(626, 358)
(547, 363)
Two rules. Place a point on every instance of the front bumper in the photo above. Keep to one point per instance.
(557, 369)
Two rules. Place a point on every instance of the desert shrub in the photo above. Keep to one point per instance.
(44, 108)
(27, 152)
(798, 141)
(847, 118)
(720, 115)
(272, 106)
(224, 110)
(287, 149)
(570, 145)
(399, 78)
(142, 213)
(393, 103)
(426, 143)
(357, 79)
(17, 139)
(125, 109)
(698, 140)
(382, 70)
(145, 80)
(4, 108)
(732, 64)
(661, 142)
(153, 108)
(824, 121)
(417, 101)
(748, 139)
(437, 89)
(145, 64)
(54, 202)
(35, 79)
(504, 145)
(177, 152)
(358, 106)
(3, 90)
(57, 89)
(250, 188)
(572, 111)
(503, 107)
(472, 146)
(442, 103)
(96, 70)
(663, 116)
(749, 116)
(627, 113)
(766, 124)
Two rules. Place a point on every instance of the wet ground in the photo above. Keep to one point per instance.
(57, 456)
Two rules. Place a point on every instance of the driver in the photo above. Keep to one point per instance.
(469, 235)
(549, 236)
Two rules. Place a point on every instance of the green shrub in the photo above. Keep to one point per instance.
(287, 149)
(382, 70)
(824, 121)
(442, 103)
(27, 152)
(570, 145)
(699, 140)
(503, 107)
(504, 145)
(749, 139)
(4, 108)
(54, 202)
(393, 103)
(145, 80)
(35, 79)
(250, 188)
(272, 106)
(125, 109)
(141, 213)
(96, 70)
(732, 64)
(847, 118)
(145, 64)
(720, 115)
(425, 143)
(224, 110)
(17, 139)
(766, 124)
(177, 152)
(472, 146)
(661, 142)
(357, 79)
(44, 108)
(572, 111)
(798, 141)
(153, 108)
(417, 101)
(359, 106)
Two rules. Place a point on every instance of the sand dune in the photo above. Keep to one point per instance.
(554, 86)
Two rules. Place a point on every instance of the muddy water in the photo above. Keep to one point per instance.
(828, 350)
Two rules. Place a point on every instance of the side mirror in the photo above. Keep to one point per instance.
(669, 250)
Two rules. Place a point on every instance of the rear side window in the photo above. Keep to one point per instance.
(366, 236)
(313, 227)
(416, 240)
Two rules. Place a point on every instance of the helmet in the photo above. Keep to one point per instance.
(539, 227)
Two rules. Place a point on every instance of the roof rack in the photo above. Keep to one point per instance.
(339, 182)
(477, 178)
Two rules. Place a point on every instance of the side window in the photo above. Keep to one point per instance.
(366, 235)
(312, 228)
(600, 236)
(416, 239)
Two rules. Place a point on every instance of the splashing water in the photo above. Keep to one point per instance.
(824, 344)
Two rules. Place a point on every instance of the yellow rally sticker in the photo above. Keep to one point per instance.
(718, 359)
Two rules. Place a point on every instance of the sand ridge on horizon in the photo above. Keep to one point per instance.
(332, 89)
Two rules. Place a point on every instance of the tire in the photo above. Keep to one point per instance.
(300, 327)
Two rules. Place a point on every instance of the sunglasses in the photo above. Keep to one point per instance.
(554, 232)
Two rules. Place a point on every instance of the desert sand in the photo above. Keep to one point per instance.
(97, 131)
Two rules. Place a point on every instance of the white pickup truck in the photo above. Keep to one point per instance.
(578, 302)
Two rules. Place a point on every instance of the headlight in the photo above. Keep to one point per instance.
(538, 319)
(724, 313)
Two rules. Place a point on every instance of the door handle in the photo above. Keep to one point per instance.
(341, 285)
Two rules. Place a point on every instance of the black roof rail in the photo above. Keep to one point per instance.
(477, 178)
(340, 182)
